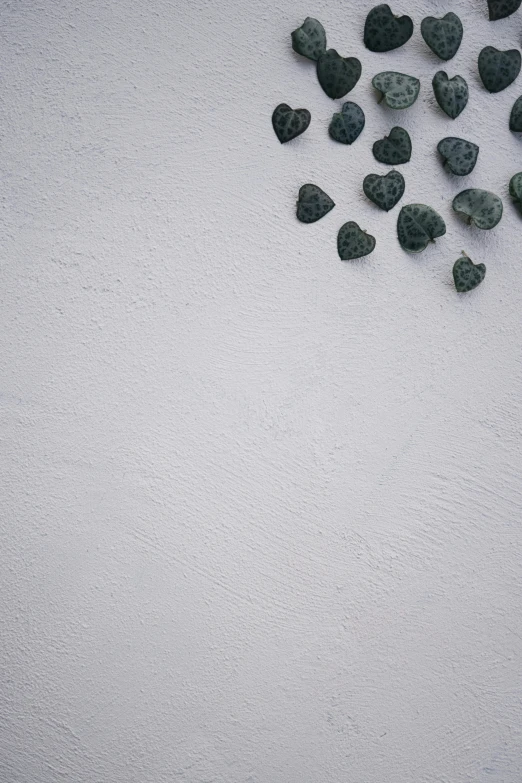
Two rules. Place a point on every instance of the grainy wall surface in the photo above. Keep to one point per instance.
(261, 509)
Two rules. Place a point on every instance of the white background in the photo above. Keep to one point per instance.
(260, 508)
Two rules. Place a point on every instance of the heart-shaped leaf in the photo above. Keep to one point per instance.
(289, 123)
(451, 94)
(394, 148)
(499, 9)
(467, 275)
(353, 242)
(515, 189)
(384, 191)
(397, 89)
(443, 36)
(383, 31)
(417, 226)
(337, 75)
(309, 39)
(459, 156)
(313, 203)
(515, 119)
(346, 125)
(498, 69)
(480, 207)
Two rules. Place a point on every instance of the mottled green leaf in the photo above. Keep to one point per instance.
(397, 89)
(515, 189)
(394, 148)
(417, 226)
(467, 275)
(346, 125)
(384, 191)
(451, 94)
(499, 9)
(498, 69)
(353, 242)
(480, 207)
(383, 31)
(289, 123)
(459, 156)
(309, 39)
(337, 75)
(313, 203)
(515, 119)
(443, 36)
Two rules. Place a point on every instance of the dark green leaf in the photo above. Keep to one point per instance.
(417, 226)
(309, 39)
(515, 119)
(451, 94)
(467, 275)
(515, 189)
(384, 191)
(313, 203)
(353, 242)
(396, 89)
(443, 36)
(337, 75)
(498, 69)
(383, 31)
(394, 148)
(480, 207)
(289, 123)
(346, 125)
(499, 9)
(459, 156)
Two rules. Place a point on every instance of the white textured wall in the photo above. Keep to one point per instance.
(261, 509)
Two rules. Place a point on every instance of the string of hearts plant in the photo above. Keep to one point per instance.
(417, 224)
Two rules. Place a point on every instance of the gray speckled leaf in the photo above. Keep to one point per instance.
(459, 156)
(346, 125)
(337, 75)
(417, 226)
(515, 119)
(383, 31)
(384, 191)
(313, 203)
(451, 94)
(443, 36)
(289, 123)
(515, 189)
(498, 69)
(397, 89)
(499, 9)
(309, 39)
(467, 275)
(353, 242)
(394, 148)
(480, 207)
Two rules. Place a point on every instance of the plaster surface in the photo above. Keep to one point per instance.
(260, 508)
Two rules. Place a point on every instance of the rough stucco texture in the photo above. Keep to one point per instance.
(261, 509)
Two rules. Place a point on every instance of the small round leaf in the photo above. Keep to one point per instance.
(313, 203)
(337, 75)
(459, 155)
(481, 208)
(383, 31)
(353, 242)
(467, 275)
(499, 9)
(394, 148)
(498, 69)
(289, 123)
(515, 119)
(443, 36)
(417, 226)
(451, 94)
(385, 191)
(398, 90)
(515, 189)
(346, 125)
(309, 39)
